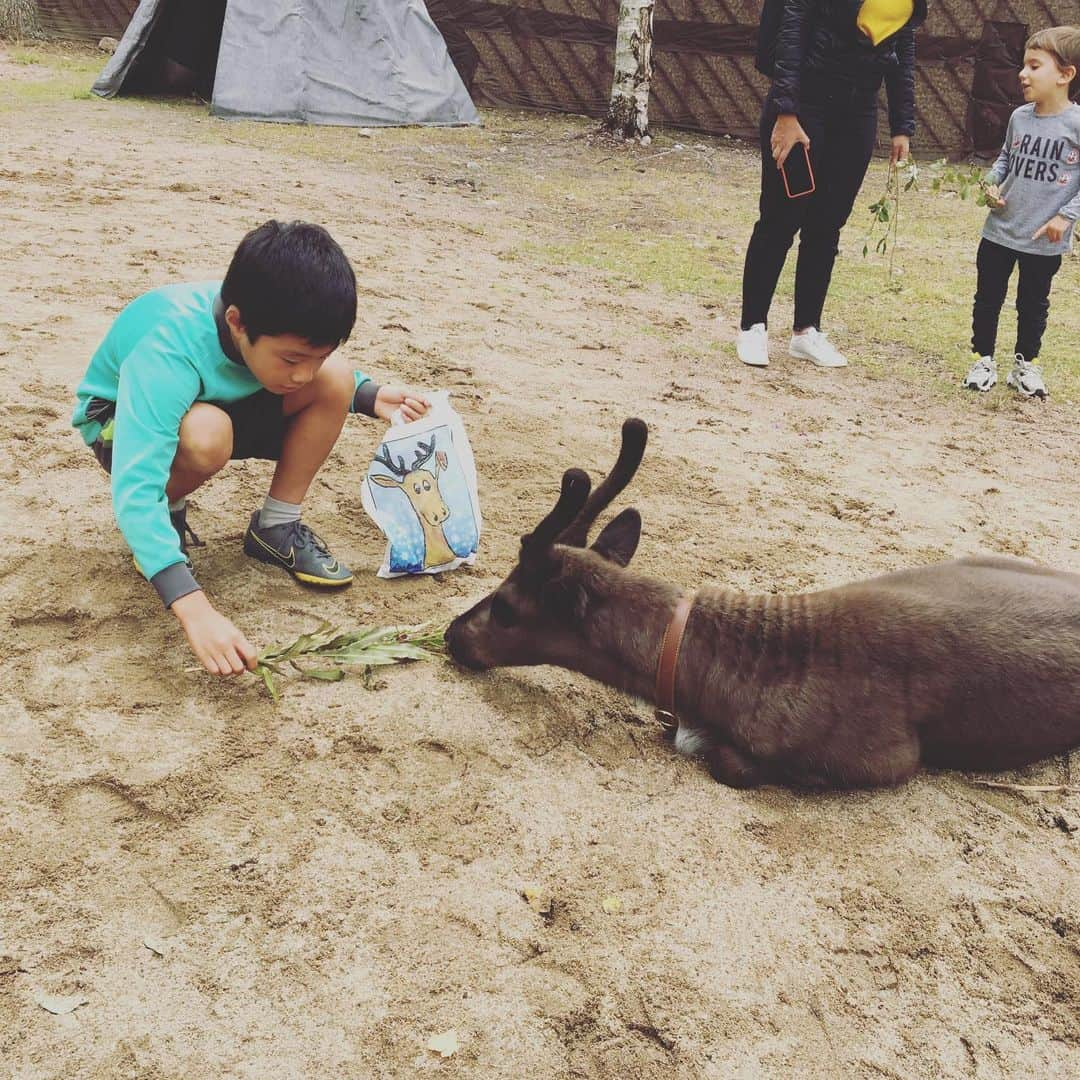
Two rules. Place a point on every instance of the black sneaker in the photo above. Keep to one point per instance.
(294, 547)
(183, 530)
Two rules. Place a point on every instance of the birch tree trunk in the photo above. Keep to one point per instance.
(18, 19)
(628, 113)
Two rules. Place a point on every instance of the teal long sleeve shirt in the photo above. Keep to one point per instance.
(164, 353)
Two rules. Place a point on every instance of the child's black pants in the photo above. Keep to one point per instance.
(995, 266)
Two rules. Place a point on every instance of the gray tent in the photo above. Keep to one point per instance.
(359, 62)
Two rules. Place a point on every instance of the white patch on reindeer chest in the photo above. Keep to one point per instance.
(691, 741)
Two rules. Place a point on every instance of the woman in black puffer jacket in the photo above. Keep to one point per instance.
(827, 60)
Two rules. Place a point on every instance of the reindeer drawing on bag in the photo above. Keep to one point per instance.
(421, 487)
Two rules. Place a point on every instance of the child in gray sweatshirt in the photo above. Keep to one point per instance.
(1034, 195)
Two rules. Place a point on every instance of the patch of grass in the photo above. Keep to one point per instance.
(675, 264)
(919, 323)
(67, 72)
(425, 147)
(688, 236)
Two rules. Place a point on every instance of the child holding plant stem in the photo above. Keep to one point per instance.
(1034, 195)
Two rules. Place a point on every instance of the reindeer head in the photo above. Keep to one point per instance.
(420, 485)
(538, 614)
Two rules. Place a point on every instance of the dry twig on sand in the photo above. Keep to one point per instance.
(1057, 789)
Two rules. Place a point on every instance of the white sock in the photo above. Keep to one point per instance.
(178, 504)
(276, 512)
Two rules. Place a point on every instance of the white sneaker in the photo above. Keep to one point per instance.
(813, 345)
(752, 346)
(1027, 379)
(982, 375)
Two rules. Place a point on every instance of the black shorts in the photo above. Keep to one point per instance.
(258, 421)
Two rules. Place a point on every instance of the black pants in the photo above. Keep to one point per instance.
(995, 266)
(841, 119)
(259, 426)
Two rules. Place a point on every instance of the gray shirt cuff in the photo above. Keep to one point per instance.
(364, 399)
(173, 582)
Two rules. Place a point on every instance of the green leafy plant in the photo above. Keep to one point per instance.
(884, 228)
(366, 648)
(967, 181)
(963, 180)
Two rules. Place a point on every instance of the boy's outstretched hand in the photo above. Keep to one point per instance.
(389, 399)
(220, 647)
(1054, 229)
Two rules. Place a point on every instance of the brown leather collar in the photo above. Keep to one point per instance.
(669, 661)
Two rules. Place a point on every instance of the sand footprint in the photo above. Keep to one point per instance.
(100, 816)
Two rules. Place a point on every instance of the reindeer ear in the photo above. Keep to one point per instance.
(618, 540)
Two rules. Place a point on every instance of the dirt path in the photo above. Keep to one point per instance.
(335, 881)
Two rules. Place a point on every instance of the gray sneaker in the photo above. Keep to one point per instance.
(294, 547)
(982, 375)
(1026, 378)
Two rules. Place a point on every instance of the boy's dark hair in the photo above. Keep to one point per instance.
(1063, 44)
(292, 278)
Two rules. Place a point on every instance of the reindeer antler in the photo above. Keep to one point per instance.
(574, 492)
(634, 435)
(399, 470)
(423, 452)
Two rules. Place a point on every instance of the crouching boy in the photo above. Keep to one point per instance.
(192, 376)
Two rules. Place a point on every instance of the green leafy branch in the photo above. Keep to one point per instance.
(962, 180)
(967, 181)
(366, 648)
(884, 227)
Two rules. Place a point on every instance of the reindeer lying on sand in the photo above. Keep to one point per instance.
(972, 664)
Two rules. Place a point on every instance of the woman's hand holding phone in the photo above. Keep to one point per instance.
(786, 132)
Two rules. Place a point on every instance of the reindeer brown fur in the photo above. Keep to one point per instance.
(971, 664)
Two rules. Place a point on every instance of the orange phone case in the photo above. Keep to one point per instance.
(810, 172)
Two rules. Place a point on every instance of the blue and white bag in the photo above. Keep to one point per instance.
(420, 490)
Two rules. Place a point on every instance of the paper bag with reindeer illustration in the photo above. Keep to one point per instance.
(420, 490)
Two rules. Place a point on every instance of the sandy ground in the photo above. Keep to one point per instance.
(333, 882)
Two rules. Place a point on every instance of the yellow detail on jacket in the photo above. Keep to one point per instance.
(879, 19)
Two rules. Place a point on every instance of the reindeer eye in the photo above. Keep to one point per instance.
(416, 488)
(502, 612)
(427, 486)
